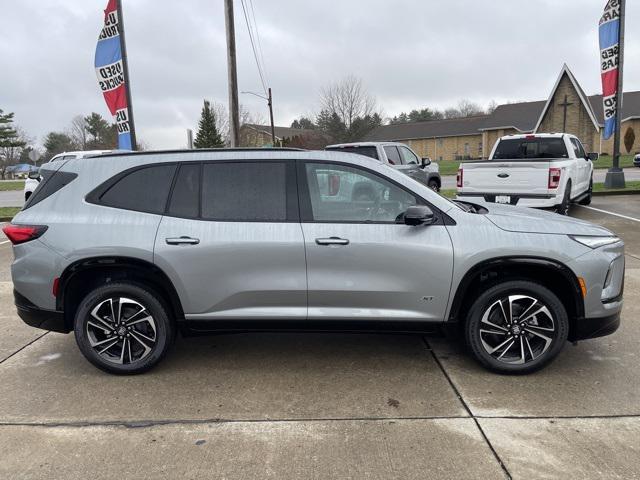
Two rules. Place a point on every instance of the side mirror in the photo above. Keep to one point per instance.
(426, 161)
(593, 156)
(34, 175)
(419, 215)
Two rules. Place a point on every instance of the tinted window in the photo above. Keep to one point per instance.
(186, 192)
(343, 194)
(50, 183)
(392, 155)
(244, 191)
(408, 157)
(523, 148)
(143, 190)
(368, 151)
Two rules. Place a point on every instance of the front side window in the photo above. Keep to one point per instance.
(143, 190)
(577, 148)
(339, 193)
(408, 157)
(244, 191)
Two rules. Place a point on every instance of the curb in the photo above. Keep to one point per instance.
(609, 193)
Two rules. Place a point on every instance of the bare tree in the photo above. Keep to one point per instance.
(469, 109)
(78, 131)
(491, 107)
(348, 99)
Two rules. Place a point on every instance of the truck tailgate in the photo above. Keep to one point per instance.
(530, 177)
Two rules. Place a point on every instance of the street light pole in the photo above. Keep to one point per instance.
(269, 100)
(273, 128)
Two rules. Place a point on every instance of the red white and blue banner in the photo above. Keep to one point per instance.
(110, 72)
(609, 32)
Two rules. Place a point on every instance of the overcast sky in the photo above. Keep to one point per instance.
(409, 54)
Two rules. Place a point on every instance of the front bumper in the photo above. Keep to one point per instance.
(585, 328)
(39, 318)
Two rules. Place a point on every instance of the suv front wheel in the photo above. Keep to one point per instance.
(516, 327)
(123, 328)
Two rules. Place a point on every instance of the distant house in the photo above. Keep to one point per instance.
(252, 135)
(567, 109)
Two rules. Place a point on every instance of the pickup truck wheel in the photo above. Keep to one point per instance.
(587, 200)
(563, 208)
(123, 328)
(434, 185)
(516, 327)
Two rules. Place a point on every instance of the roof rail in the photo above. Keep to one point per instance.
(198, 150)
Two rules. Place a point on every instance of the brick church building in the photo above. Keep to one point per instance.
(568, 109)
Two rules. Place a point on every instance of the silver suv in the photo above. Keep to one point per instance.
(126, 251)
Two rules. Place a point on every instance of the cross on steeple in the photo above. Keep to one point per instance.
(566, 104)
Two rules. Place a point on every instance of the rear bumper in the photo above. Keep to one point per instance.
(585, 328)
(39, 318)
(521, 200)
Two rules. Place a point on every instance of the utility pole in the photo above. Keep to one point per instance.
(615, 175)
(125, 66)
(273, 128)
(234, 108)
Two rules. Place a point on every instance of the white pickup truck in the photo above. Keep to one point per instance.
(547, 170)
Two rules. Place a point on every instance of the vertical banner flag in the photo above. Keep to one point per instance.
(609, 31)
(110, 72)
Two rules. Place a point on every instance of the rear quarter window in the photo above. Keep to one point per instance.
(144, 189)
(51, 182)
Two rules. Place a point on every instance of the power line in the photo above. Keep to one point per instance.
(255, 25)
(253, 46)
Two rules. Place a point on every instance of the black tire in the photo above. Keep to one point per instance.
(434, 185)
(102, 329)
(563, 208)
(531, 349)
(587, 200)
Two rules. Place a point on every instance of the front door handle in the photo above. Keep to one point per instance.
(332, 241)
(182, 241)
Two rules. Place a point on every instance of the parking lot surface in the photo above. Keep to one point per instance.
(291, 406)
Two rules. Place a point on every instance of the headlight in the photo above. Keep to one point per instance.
(594, 242)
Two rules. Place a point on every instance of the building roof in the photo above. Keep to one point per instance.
(521, 116)
(431, 129)
(282, 132)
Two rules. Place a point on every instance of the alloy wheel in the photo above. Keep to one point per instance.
(517, 329)
(121, 330)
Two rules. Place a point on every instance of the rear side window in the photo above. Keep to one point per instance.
(392, 155)
(144, 189)
(185, 199)
(51, 182)
(366, 150)
(244, 191)
(525, 148)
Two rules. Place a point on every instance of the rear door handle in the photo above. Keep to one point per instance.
(332, 241)
(182, 241)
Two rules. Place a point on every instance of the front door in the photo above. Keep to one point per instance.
(363, 262)
(231, 241)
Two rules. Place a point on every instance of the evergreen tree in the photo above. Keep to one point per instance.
(208, 135)
(9, 136)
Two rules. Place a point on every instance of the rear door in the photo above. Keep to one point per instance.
(363, 262)
(583, 167)
(231, 241)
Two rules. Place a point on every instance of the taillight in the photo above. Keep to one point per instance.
(23, 233)
(459, 178)
(554, 177)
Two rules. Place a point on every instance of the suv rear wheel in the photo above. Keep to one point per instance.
(123, 328)
(516, 327)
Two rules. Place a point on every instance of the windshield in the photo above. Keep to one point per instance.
(529, 148)
(366, 150)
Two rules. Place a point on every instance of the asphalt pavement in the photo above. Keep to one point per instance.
(292, 406)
